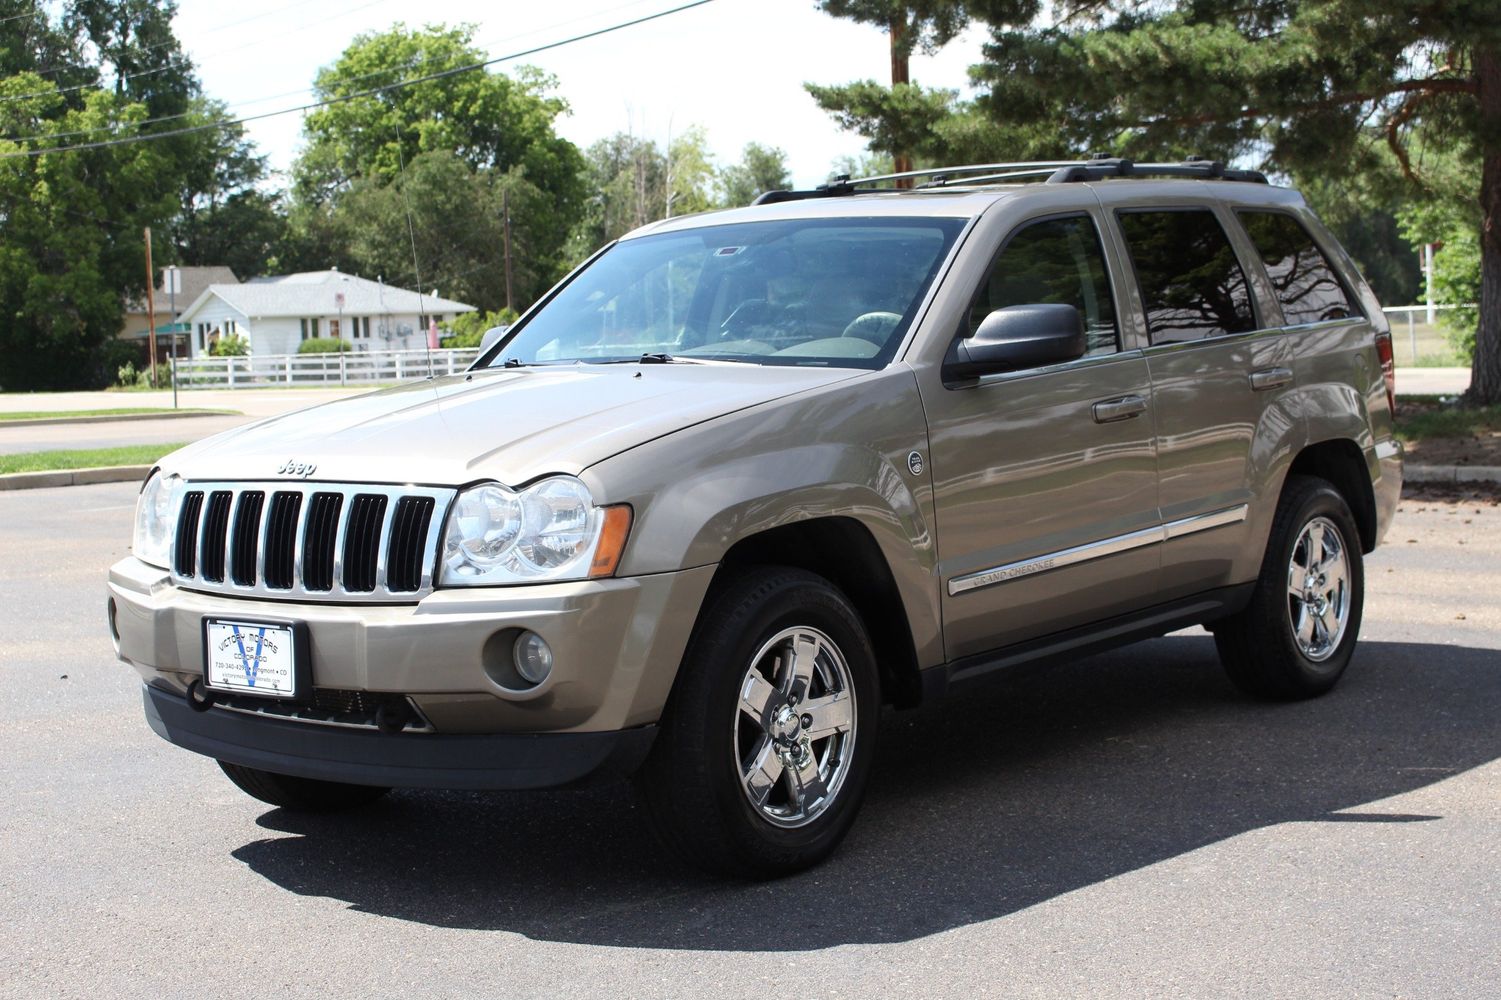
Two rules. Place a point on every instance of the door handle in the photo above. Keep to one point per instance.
(1270, 378)
(1119, 409)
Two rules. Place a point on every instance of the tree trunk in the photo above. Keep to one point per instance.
(1485, 377)
(901, 159)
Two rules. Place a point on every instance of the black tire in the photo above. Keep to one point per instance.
(691, 784)
(301, 794)
(1260, 646)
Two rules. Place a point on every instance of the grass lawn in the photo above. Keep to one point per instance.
(1421, 417)
(51, 461)
(119, 411)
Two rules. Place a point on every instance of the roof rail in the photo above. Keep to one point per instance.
(1097, 167)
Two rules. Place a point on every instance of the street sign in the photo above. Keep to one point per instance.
(172, 280)
(339, 299)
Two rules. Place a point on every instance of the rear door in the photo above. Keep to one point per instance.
(1044, 479)
(1218, 366)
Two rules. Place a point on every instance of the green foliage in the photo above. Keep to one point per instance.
(488, 120)
(920, 24)
(634, 182)
(231, 346)
(449, 154)
(324, 345)
(468, 329)
(761, 169)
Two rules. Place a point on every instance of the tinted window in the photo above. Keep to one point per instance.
(1301, 276)
(1191, 284)
(1056, 260)
(791, 292)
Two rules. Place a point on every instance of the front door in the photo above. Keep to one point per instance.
(1045, 481)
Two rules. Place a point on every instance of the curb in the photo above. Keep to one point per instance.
(116, 418)
(1452, 474)
(73, 477)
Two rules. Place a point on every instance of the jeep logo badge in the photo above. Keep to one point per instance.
(292, 467)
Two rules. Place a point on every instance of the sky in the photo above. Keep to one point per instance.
(734, 67)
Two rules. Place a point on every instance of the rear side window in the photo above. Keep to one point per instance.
(1054, 260)
(1305, 284)
(1192, 286)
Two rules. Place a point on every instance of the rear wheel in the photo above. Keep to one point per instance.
(766, 744)
(1297, 635)
(303, 794)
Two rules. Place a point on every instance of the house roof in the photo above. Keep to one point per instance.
(313, 293)
(194, 281)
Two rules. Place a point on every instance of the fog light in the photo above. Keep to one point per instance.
(533, 657)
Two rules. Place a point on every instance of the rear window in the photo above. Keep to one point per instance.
(1305, 284)
(1192, 285)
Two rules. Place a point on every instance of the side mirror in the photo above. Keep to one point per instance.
(1016, 337)
(491, 336)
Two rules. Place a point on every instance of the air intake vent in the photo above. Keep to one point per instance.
(404, 557)
(362, 542)
(247, 538)
(319, 541)
(187, 533)
(281, 540)
(215, 535)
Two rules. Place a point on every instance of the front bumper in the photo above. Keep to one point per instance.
(400, 760)
(616, 644)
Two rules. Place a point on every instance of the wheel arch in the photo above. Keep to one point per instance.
(1342, 464)
(844, 552)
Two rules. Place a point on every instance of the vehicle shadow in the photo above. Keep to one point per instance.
(981, 806)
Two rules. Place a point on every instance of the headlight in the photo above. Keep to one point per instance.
(156, 516)
(550, 531)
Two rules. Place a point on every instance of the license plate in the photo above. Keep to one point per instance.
(255, 657)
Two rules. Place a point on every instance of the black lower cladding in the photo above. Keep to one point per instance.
(400, 760)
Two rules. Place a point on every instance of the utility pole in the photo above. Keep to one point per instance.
(151, 306)
(505, 210)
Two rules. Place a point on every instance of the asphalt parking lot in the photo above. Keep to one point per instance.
(1123, 826)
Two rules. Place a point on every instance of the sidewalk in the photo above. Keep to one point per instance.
(254, 403)
(1432, 381)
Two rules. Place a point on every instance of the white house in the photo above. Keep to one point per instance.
(277, 314)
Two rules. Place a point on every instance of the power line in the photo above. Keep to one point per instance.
(178, 116)
(174, 65)
(33, 12)
(399, 85)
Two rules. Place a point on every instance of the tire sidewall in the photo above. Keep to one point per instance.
(809, 602)
(1320, 501)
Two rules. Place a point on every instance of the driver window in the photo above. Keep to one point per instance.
(1058, 261)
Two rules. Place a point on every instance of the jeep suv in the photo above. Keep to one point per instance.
(743, 478)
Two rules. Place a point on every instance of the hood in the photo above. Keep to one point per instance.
(510, 425)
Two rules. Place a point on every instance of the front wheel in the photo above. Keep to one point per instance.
(1297, 635)
(766, 744)
(303, 794)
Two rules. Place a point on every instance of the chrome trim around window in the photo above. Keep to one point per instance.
(1097, 550)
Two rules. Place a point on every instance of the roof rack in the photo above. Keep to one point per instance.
(1097, 167)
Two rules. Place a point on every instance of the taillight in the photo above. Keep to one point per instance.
(1388, 370)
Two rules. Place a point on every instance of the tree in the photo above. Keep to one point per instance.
(761, 169)
(446, 150)
(634, 182)
(72, 233)
(488, 120)
(1304, 86)
(906, 111)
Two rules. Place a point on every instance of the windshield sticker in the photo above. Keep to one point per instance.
(727, 251)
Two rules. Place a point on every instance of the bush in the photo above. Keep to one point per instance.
(467, 329)
(324, 345)
(233, 346)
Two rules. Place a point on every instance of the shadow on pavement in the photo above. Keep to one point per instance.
(980, 806)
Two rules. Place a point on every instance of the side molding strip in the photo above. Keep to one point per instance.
(1096, 550)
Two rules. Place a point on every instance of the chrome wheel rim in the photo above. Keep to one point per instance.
(794, 727)
(1318, 589)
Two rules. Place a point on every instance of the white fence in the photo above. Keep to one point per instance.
(343, 368)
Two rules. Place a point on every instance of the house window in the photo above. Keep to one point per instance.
(309, 328)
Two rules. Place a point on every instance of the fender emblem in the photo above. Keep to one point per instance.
(914, 463)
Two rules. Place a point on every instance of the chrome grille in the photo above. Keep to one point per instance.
(309, 541)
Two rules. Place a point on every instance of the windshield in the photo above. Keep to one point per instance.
(833, 292)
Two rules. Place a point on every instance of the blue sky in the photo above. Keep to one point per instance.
(734, 67)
